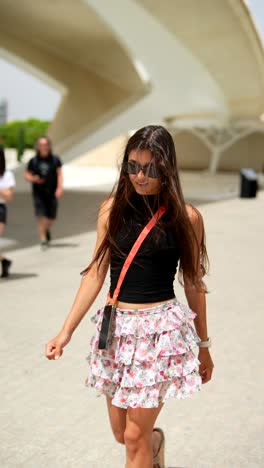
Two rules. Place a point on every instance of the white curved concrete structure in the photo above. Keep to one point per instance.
(122, 64)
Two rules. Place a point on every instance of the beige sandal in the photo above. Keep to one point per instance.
(159, 458)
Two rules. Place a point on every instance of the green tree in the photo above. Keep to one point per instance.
(22, 134)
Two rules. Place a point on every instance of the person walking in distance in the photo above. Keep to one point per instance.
(45, 174)
(143, 349)
(7, 184)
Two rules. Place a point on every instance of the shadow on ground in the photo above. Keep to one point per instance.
(58, 245)
(18, 276)
(77, 214)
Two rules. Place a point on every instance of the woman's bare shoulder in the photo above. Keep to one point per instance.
(194, 214)
(197, 221)
(107, 204)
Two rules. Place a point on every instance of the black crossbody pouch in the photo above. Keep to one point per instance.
(105, 337)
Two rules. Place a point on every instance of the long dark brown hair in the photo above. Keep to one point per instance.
(194, 262)
(2, 161)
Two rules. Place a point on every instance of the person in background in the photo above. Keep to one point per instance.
(45, 174)
(7, 184)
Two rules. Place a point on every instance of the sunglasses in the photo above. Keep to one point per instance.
(133, 168)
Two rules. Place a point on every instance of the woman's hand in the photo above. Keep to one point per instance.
(54, 348)
(206, 366)
(7, 194)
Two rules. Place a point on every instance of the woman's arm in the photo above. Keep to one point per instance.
(7, 194)
(91, 285)
(197, 302)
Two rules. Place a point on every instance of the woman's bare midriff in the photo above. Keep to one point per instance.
(126, 305)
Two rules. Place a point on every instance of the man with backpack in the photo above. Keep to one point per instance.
(45, 174)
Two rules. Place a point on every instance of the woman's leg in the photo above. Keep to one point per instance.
(138, 436)
(2, 227)
(117, 418)
(5, 263)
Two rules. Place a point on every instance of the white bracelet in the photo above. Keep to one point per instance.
(205, 344)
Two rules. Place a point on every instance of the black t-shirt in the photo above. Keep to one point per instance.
(46, 168)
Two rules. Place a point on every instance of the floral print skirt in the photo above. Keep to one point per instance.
(150, 359)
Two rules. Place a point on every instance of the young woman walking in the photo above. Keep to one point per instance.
(150, 356)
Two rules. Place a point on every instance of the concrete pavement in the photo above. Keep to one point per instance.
(49, 418)
(78, 207)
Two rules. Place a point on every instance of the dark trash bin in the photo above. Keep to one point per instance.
(248, 183)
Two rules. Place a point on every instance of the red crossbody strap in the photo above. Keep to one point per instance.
(134, 251)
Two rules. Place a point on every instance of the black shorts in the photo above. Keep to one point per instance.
(3, 213)
(45, 206)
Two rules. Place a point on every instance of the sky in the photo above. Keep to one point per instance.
(28, 97)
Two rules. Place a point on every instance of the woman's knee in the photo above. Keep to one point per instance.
(133, 437)
(119, 436)
(117, 417)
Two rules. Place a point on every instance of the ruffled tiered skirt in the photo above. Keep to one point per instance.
(151, 357)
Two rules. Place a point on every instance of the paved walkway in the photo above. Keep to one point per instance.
(78, 207)
(49, 418)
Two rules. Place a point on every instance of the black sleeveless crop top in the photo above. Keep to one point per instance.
(151, 275)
